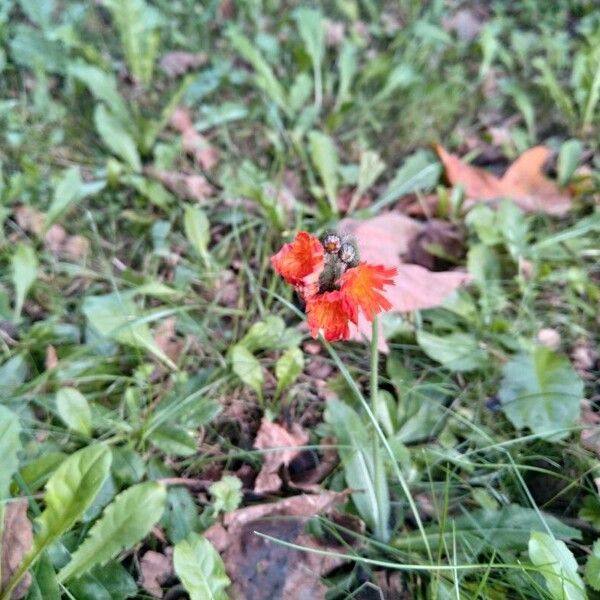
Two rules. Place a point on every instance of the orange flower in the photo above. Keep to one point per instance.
(300, 262)
(362, 287)
(328, 313)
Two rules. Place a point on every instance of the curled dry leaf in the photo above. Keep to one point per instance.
(155, 569)
(51, 357)
(194, 143)
(190, 187)
(263, 570)
(385, 239)
(17, 538)
(178, 63)
(270, 435)
(29, 219)
(166, 339)
(59, 243)
(524, 182)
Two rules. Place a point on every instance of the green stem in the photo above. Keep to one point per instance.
(381, 527)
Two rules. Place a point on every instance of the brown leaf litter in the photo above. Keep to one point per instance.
(17, 539)
(174, 64)
(288, 443)
(523, 182)
(155, 570)
(195, 144)
(261, 569)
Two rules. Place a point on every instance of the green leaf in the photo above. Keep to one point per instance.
(324, 156)
(200, 569)
(74, 410)
(181, 514)
(264, 335)
(542, 391)
(265, 78)
(174, 440)
(592, 567)
(103, 86)
(558, 566)
(44, 585)
(226, 493)
(13, 374)
(312, 31)
(458, 352)
(197, 230)
(288, 367)
(10, 444)
(116, 138)
(116, 316)
(137, 23)
(347, 66)
(70, 189)
(569, 156)
(477, 531)
(356, 453)
(24, 273)
(420, 172)
(246, 366)
(109, 582)
(124, 522)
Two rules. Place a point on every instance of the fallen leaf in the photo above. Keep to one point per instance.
(271, 435)
(524, 182)
(166, 339)
(17, 539)
(54, 238)
(191, 187)
(465, 23)
(549, 337)
(178, 63)
(29, 219)
(155, 570)
(51, 357)
(59, 243)
(385, 239)
(307, 480)
(584, 356)
(263, 570)
(194, 143)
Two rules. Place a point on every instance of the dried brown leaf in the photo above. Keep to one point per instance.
(194, 143)
(17, 539)
(524, 182)
(178, 63)
(262, 570)
(155, 570)
(271, 435)
(29, 219)
(51, 357)
(190, 187)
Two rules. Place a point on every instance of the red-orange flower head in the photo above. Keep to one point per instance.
(300, 263)
(332, 282)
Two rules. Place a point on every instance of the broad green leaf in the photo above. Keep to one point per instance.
(347, 67)
(200, 569)
(74, 410)
(371, 495)
(288, 367)
(30, 48)
(477, 531)
(197, 230)
(103, 86)
(541, 390)
(44, 585)
(124, 522)
(369, 169)
(265, 78)
(138, 25)
(181, 514)
(174, 440)
(420, 172)
(456, 351)
(324, 156)
(264, 335)
(558, 567)
(246, 366)
(569, 156)
(592, 567)
(70, 189)
(108, 582)
(38, 11)
(24, 273)
(13, 374)
(312, 31)
(226, 493)
(116, 316)
(116, 138)
(10, 444)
